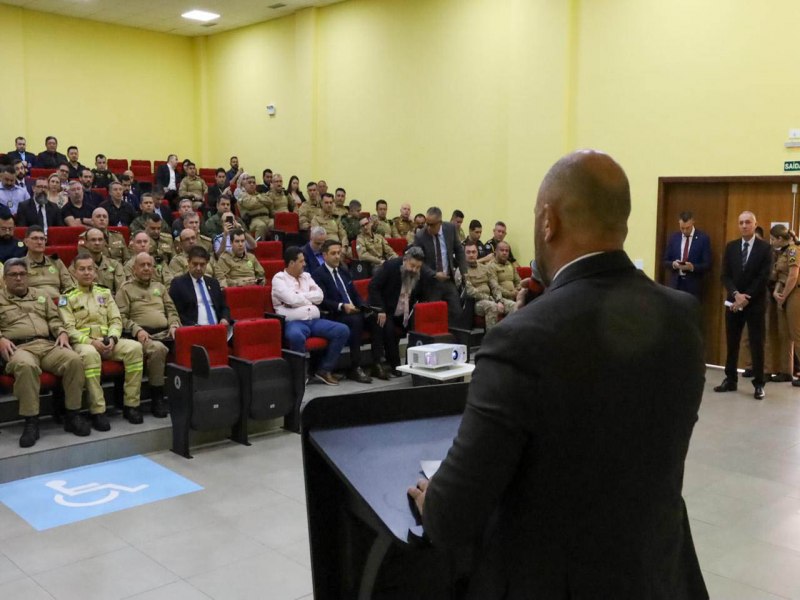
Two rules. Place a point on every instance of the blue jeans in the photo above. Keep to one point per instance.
(337, 334)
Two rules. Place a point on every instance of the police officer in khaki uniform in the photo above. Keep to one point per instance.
(506, 274)
(193, 222)
(192, 185)
(238, 267)
(108, 271)
(29, 324)
(149, 316)
(258, 207)
(482, 286)
(402, 225)
(161, 244)
(141, 243)
(782, 320)
(147, 206)
(115, 241)
(277, 196)
(352, 220)
(92, 320)
(382, 225)
(311, 208)
(339, 198)
(46, 273)
(372, 247)
(333, 228)
(179, 265)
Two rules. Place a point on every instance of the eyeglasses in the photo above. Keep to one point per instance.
(17, 275)
(6, 229)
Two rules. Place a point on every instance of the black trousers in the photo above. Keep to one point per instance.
(447, 291)
(386, 342)
(753, 317)
(356, 323)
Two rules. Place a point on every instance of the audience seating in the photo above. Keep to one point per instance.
(203, 390)
(286, 229)
(126, 233)
(271, 378)
(359, 269)
(141, 163)
(269, 251)
(118, 165)
(101, 191)
(62, 236)
(66, 253)
(524, 272)
(36, 173)
(399, 245)
(19, 232)
(271, 267)
(246, 302)
(430, 327)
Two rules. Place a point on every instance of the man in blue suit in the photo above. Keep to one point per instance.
(688, 256)
(342, 302)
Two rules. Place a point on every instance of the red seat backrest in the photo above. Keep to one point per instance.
(140, 163)
(158, 163)
(524, 272)
(19, 232)
(246, 302)
(102, 191)
(354, 249)
(66, 253)
(431, 318)
(62, 236)
(141, 170)
(126, 233)
(117, 165)
(214, 338)
(288, 222)
(399, 245)
(268, 307)
(269, 251)
(205, 171)
(257, 339)
(36, 173)
(271, 267)
(362, 287)
(364, 214)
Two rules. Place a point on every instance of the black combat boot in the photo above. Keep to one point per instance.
(158, 406)
(76, 423)
(30, 433)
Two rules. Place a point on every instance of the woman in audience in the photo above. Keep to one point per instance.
(55, 193)
(293, 191)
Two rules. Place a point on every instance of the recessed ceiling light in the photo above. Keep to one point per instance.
(200, 15)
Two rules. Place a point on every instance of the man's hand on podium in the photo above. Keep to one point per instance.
(418, 494)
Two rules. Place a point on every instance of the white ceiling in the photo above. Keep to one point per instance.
(165, 15)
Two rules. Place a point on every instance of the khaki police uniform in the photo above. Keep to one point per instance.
(235, 271)
(195, 186)
(109, 273)
(374, 248)
(339, 212)
(507, 277)
(32, 323)
(50, 275)
(280, 202)
(160, 272)
(483, 287)
(140, 224)
(411, 235)
(382, 226)
(148, 307)
(163, 247)
(259, 208)
(91, 314)
(332, 227)
(307, 212)
(115, 245)
(401, 227)
(783, 323)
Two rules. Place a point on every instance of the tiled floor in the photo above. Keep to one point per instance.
(245, 536)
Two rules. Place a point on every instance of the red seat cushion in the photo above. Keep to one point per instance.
(399, 245)
(47, 381)
(287, 222)
(316, 343)
(246, 302)
(524, 272)
(431, 318)
(214, 338)
(362, 287)
(257, 339)
(112, 368)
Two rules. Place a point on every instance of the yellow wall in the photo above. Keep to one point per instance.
(121, 91)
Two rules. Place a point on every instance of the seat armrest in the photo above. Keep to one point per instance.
(201, 364)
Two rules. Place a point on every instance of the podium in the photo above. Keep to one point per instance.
(360, 454)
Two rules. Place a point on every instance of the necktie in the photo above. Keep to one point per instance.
(343, 297)
(745, 246)
(686, 249)
(41, 216)
(211, 317)
(437, 249)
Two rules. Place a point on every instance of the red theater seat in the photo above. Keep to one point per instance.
(399, 245)
(126, 233)
(269, 251)
(271, 267)
(117, 165)
(524, 272)
(62, 236)
(246, 302)
(66, 253)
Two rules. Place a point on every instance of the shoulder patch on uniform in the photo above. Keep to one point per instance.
(156, 292)
(41, 300)
(51, 268)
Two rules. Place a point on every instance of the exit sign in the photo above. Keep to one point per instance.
(791, 165)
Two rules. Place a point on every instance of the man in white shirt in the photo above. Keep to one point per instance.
(295, 296)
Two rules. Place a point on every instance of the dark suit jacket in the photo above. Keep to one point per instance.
(50, 160)
(384, 287)
(456, 257)
(753, 279)
(311, 261)
(181, 290)
(572, 480)
(28, 214)
(330, 301)
(30, 158)
(699, 256)
(162, 177)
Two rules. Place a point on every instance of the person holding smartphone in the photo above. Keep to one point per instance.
(688, 256)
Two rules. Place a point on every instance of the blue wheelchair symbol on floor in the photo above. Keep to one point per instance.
(59, 485)
(55, 499)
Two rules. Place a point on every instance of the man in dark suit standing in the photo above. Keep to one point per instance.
(746, 267)
(167, 176)
(197, 297)
(342, 302)
(21, 152)
(444, 257)
(688, 256)
(571, 481)
(393, 291)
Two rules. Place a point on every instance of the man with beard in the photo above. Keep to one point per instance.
(50, 158)
(393, 293)
(76, 213)
(278, 199)
(87, 182)
(566, 483)
(9, 246)
(75, 166)
(506, 273)
(238, 267)
(37, 210)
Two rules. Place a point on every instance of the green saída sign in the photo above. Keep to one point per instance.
(791, 165)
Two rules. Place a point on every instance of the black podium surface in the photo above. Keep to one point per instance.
(361, 452)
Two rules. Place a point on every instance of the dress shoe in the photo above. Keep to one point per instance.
(780, 378)
(358, 375)
(381, 371)
(133, 415)
(76, 423)
(326, 378)
(747, 373)
(30, 433)
(100, 422)
(726, 386)
(796, 382)
(759, 393)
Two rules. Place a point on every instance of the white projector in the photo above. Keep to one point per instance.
(436, 356)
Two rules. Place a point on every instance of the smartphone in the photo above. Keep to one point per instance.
(229, 219)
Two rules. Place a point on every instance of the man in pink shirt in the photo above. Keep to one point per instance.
(295, 296)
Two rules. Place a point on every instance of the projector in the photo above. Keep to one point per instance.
(436, 356)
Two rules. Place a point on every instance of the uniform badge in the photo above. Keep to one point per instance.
(40, 300)
(62, 301)
(156, 292)
(249, 263)
(20, 244)
(101, 300)
(52, 269)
